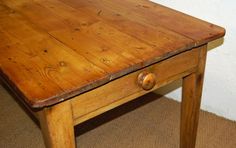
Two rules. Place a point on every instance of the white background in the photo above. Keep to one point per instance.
(219, 94)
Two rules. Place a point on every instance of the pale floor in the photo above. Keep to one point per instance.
(149, 122)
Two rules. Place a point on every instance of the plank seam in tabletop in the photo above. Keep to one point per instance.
(67, 45)
(100, 11)
(5, 76)
(146, 5)
(104, 72)
(190, 46)
(54, 96)
(129, 35)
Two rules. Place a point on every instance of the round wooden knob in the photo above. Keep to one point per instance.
(147, 80)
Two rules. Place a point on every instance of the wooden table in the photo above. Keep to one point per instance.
(71, 60)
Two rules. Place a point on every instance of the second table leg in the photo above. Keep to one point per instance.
(191, 100)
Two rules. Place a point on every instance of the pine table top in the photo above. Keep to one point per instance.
(52, 50)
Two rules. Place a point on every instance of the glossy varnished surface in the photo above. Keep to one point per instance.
(51, 50)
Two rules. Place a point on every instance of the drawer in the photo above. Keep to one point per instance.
(133, 85)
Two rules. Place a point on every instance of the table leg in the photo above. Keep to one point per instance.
(191, 100)
(57, 126)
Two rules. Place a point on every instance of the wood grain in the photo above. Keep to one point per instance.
(53, 50)
(92, 52)
(57, 126)
(122, 90)
(191, 101)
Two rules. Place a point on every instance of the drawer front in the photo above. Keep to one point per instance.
(126, 88)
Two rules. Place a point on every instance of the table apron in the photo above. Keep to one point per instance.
(126, 88)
